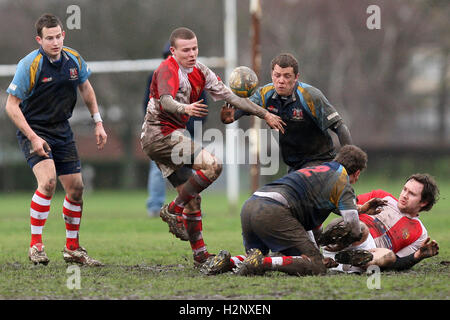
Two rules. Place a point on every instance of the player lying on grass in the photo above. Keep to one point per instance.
(278, 216)
(174, 97)
(393, 236)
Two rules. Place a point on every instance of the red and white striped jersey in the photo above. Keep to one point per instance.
(392, 229)
(185, 86)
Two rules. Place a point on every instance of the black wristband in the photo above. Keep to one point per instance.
(404, 263)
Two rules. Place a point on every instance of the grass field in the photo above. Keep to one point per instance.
(144, 261)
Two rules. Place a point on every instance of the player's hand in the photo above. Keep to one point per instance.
(100, 135)
(427, 249)
(372, 207)
(274, 121)
(197, 109)
(227, 113)
(329, 263)
(40, 147)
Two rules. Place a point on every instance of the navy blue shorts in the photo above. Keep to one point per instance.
(270, 226)
(64, 155)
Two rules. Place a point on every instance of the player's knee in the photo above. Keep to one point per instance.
(213, 171)
(76, 192)
(48, 186)
(216, 169)
(388, 256)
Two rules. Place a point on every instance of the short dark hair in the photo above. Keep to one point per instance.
(352, 158)
(47, 20)
(285, 60)
(181, 33)
(430, 192)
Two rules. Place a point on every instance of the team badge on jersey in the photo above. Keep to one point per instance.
(73, 73)
(297, 114)
(405, 233)
(47, 79)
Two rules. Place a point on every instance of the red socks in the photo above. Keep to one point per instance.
(39, 209)
(196, 183)
(193, 224)
(72, 217)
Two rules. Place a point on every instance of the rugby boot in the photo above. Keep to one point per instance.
(252, 264)
(37, 255)
(332, 234)
(175, 222)
(217, 264)
(80, 256)
(355, 258)
(201, 257)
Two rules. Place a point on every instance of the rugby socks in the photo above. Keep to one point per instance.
(196, 183)
(283, 263)
(193, 224)
(293, 265)
(39, 209)
(268, 262)
(72, 217)
(236, 260)
(274, 262)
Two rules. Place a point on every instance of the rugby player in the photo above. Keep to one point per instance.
(394, 233)
(41, 99)
(305, 110)
(174, 97)
(278, 216)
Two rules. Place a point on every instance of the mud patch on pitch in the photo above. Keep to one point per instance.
(158, 268)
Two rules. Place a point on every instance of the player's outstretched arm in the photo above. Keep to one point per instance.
(196, 109)
(249, 106)
(372, 207)
(229, 113)
(428, 249)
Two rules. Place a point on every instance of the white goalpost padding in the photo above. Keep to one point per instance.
(232, 169)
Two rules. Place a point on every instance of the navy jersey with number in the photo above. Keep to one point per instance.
(314, 192)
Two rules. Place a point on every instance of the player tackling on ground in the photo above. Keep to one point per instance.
(278, 216)
(41, 99)
(174, 97)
